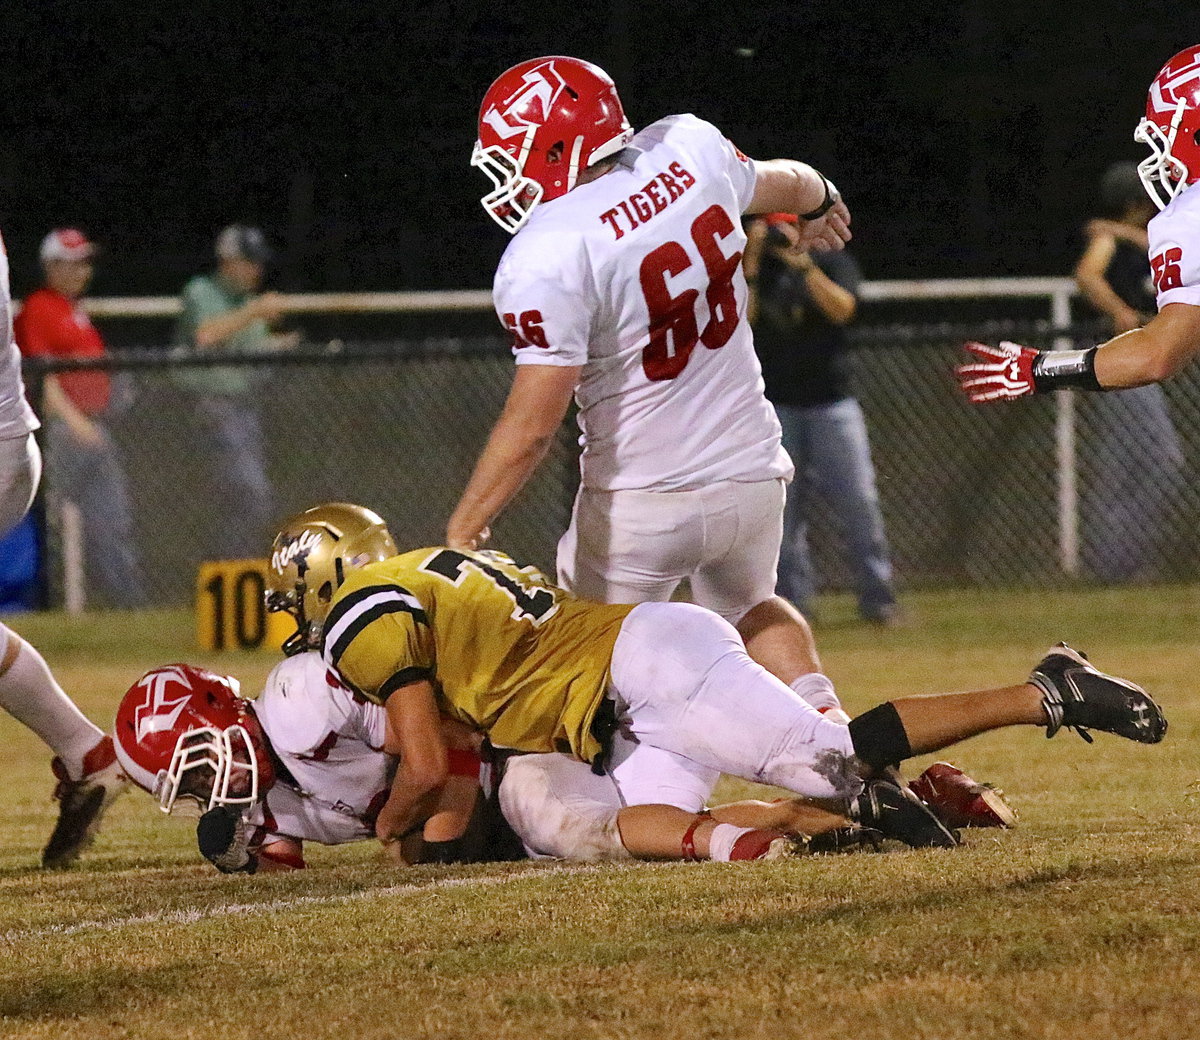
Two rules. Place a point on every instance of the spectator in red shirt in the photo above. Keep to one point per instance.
(83, 461)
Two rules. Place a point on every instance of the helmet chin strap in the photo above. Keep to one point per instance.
(573, 166)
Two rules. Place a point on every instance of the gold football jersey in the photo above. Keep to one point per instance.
(507, 652)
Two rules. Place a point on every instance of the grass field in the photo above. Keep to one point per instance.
(1080, 923)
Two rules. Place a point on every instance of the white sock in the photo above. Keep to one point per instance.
(29, 693)
(721, 841)
(817, 690)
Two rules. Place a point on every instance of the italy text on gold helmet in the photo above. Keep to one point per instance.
(310, 558)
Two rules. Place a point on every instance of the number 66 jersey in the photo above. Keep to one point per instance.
(506, 651)
(637, 278)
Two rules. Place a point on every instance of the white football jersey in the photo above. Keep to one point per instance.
(1175, 249)
(637, 278)
(16, 417)
(332, 746)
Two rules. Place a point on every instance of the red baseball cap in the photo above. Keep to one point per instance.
(66, 244)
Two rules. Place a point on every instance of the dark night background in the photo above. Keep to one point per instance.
(966, 137)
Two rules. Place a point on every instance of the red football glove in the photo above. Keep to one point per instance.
(1006, 372)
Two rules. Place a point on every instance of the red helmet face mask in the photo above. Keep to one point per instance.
(540, 124)
(1171, 128)
(184, 732)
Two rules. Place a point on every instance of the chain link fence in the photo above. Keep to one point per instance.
(396, 427)
(970, 495)
(997, 495)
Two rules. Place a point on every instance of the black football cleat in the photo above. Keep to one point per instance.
(81, 804)
(845, 839)
(1076, 695)
(895, 812)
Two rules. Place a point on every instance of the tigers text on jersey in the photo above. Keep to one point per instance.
(508, 653)
(1175, 249)
(332, 747)
(637, 278)
(16, 417)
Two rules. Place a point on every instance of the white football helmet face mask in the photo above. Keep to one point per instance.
(515, 196)
(1171, 129)
(1163, 175)
(212, 767)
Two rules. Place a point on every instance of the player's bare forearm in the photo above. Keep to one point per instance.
(536, 407)
(1157, 351)
(413, 716)
(786, 186)
(789, 186)
(281, 854)
(508, 461)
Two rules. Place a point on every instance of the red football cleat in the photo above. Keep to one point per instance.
(766, 845)
(961, 801)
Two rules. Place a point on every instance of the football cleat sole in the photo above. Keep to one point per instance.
(1079, 697)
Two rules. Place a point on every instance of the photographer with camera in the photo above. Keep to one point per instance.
(800, 305)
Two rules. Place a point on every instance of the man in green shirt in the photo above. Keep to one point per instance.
(225, 312)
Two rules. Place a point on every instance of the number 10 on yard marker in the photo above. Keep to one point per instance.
(230, 614)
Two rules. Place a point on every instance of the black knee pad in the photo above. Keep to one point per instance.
(879, 737)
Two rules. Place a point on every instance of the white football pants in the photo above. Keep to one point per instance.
(20, 472)
(637, 546)
(691, 705)
(560, 809)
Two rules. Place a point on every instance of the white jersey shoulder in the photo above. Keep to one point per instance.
(1175, 249)
(303, 702)
(636, 279)
(331, 747)
(16, 417)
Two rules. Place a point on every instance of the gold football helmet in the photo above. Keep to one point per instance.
(310, 558)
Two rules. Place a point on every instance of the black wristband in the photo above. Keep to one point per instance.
(1065, 370)
(831, 196)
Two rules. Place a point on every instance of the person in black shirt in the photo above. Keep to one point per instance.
(801, 303)
(1136, 459)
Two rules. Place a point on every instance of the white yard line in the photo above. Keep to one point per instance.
(112, 924)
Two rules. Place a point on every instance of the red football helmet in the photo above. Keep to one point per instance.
(541, 123)
(182, 731)
(1171, 128)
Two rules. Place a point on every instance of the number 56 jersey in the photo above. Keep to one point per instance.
(507, 652)
(637, 278)
(1175, 250)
